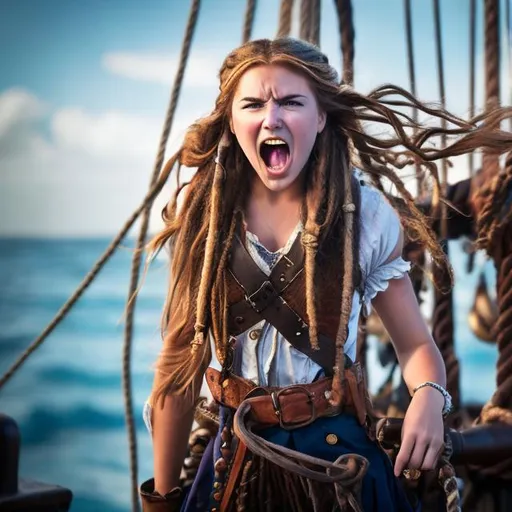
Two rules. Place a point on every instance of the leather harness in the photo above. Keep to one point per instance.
(263, 301)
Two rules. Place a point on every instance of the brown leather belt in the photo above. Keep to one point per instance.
(292, 406)
(289, 407)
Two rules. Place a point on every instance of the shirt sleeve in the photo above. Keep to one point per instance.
(380, 233)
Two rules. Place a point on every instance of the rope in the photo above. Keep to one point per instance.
(443, 327)
(447, 478)
(347, 34)
(412, 78)
(442, 94)
(285, 18)
(309, 21)
(495, 215)
(88, 279)
(314, 29)
(136, 263)
(472, 56)
(490, 163)
(493, 413)
(495, 229)
(305, 20)
(443, 310)
(249, 20)
(509, 46)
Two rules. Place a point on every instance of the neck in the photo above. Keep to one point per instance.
(273, 216)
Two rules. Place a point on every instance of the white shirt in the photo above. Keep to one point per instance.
(264, 355)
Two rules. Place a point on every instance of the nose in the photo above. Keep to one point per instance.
(272, 120)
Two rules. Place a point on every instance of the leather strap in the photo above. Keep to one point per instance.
(263, 301)
(235, 474)
(292, 406)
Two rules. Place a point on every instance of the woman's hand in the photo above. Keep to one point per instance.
(422, 432)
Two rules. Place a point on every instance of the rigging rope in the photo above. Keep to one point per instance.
(509, 46)
(347, 34)
(136, 263)
(472, 53)
(249, 20)
(490, 163)
(443, 324)
(412, 78)
(285, 18)
(305, 20)
(310, 21)
(495, 224)
(88, 279)
(314, 29)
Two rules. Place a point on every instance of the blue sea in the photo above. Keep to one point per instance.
(67, 398)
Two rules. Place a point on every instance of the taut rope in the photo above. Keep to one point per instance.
(136, 262)
(285, 18)
(490, 163)
(89, 278)
(412, 79)
(347, 34)
(472, 54)
(249, 20)
(443, 309)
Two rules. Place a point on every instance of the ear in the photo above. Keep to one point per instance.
(231, 126)
(322, 119)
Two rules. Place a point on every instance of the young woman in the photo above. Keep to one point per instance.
(276, 250)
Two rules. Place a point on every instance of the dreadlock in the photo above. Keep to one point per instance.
(200, 233)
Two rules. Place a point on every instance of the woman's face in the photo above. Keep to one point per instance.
(275, 118)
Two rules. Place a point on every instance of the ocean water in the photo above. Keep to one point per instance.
(67, 398)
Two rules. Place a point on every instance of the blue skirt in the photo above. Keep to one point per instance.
(381, 490)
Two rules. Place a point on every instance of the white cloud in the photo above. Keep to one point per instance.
(110, 134)
(85, 177)
(18, 106)
(201, 71)
(19, 112)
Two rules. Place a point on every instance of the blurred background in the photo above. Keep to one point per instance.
(84, 87)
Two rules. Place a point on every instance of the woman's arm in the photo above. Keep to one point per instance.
(420, 361)
(172, 424)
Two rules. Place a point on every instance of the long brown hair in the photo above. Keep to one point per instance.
(200, 234)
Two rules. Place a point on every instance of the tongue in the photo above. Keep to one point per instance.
(277, 156)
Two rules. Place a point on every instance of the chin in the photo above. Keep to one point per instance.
(279, 185)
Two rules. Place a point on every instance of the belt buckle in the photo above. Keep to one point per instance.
(262, 297)
(277, 407)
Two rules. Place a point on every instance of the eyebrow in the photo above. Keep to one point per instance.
(289, 97)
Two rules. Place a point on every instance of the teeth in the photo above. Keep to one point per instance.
(275, 142)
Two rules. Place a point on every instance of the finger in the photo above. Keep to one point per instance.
(434, 451)
(402, 459)
(418, 454)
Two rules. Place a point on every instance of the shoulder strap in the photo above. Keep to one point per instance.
(263, 300)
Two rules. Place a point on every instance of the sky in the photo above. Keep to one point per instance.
(84, 88)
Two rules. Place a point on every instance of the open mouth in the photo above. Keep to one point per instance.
(275, 153)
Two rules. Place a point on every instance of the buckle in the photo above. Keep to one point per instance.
(290, 425)
(262, 297)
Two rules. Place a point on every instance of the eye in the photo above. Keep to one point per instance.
(292, 103)
(252, 106)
